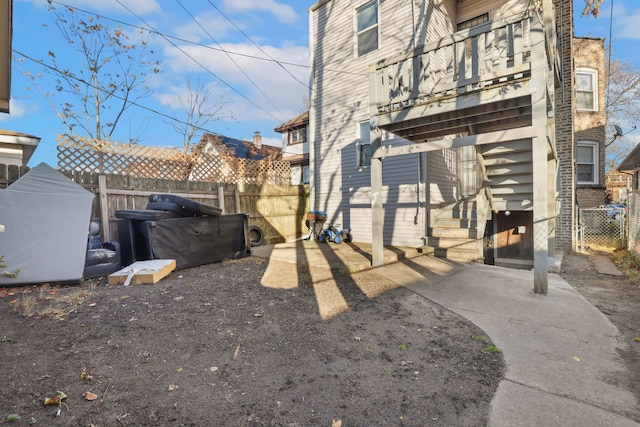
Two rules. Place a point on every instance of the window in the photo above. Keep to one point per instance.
(587, 89)
(473, 22)
(363, 146)
(587, 156)
(297, 135)
(367, 28)
(306, 174)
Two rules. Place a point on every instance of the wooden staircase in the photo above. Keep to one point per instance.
(457, 230)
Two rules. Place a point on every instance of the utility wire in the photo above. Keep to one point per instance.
(203, 67)
(115, 95)
(219, 49)
(230, 58)
(256, 44)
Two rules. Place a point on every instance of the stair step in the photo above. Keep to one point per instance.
(445, 222)
(453, 232)
(452, 254)
(466, 244)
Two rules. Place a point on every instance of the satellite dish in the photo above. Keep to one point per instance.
(618, 131)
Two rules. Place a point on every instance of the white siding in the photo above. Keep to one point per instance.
(340, 100)
(442, 176)
(498, 9)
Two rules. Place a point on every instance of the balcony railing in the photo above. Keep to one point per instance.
(469, 60)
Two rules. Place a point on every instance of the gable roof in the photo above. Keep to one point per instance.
(241, 149)
(632, 161)
(29, 143)
(301, 120)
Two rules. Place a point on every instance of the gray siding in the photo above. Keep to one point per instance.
(340, 100)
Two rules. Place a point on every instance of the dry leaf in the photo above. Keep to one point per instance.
(90, 396)
(257, 314)
(235, 353)
(637, 339)
(52, 400)
(336, 423)
(86, 376)
(172, 387)
(577, 359)
(357, 338)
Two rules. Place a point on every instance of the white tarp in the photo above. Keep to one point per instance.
(46, 219)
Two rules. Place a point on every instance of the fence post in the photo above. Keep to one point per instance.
(221, 199)
(236, 199)
(104, 208)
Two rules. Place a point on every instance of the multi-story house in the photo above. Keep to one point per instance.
(295, 147)
(446, 125)
(589, 121)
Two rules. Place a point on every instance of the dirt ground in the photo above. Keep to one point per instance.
(618, 299)
(211, 346)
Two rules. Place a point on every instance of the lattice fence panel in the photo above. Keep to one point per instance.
(87, 155)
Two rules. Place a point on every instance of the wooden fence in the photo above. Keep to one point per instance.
(279, 210)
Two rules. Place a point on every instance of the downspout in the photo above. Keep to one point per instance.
(312, 113)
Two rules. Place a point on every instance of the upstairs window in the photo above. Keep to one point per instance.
(587, 89)
(481, 19)
(587, 158)
(367, 28)
(297, 136)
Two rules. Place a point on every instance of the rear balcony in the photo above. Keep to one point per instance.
(473, 82)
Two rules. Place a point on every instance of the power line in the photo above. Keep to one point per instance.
(219, 49)
(203, 67)
(230, 57)
(115, 95)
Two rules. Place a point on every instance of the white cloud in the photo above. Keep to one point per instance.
(138, 6)
(283, 12)
(625, 23)
(282, 90)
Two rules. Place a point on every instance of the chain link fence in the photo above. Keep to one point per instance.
(633, 204)
(601, 229)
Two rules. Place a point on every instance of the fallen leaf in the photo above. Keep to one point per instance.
(52, 400)
(257, 314)
(93, 304)
(90, 396)
(357, 338)
(172, 387)
(86, 376)
(180, 369)
(12, 417)
(213, 368)
(637, 339)
(178, 298)
(13, 301)
(336, 423)
(207, 304)
(577, 359)
(235, 353)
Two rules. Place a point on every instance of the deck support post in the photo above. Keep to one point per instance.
(377, 210)
(539, 147)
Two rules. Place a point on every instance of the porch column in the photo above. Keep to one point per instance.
(539, 146)
(377, 210)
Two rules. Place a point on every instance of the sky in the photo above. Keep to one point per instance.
(251, 54)
(261, 83)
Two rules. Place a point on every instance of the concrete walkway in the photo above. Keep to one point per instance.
(562, 366)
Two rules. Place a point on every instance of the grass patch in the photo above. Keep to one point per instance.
(402, 347)
(52, 303)
(492, 349)
(629, 263)
(481, 338)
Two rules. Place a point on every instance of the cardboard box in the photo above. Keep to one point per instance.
(149, 272)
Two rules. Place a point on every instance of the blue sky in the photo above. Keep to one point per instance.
(269, 93)
(257, 91)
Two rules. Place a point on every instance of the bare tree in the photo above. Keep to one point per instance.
(108, 75)
(622, 108)
(199, 105)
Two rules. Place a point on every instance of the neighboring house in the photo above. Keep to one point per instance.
(630, 167)
(16, 148)
(617, 184)
(295, 147)
(224, 159)
(446, 125)
(589, 121)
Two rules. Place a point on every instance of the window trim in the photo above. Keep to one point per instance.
(594, 80)
(357, 32)
(595, 147)
(363, 146)
(302, 132)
